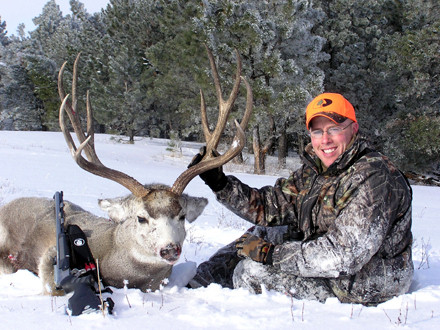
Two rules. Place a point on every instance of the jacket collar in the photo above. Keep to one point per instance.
(358, 145)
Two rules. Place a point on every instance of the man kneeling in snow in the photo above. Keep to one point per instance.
(340, 226)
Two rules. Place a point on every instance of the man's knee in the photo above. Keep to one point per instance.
(253, 275)
(250, 275)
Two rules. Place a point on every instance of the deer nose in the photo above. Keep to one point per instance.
(171, 252)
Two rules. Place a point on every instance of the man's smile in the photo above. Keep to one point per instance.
(328, 151)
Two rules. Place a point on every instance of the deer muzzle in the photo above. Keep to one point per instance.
(171, 253)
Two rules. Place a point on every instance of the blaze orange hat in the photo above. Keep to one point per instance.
(332, 106)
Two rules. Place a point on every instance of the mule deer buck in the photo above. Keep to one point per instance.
(144, 237)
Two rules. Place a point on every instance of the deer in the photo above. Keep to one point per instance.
(142, 237)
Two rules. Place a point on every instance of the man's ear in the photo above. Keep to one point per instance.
(355, 127)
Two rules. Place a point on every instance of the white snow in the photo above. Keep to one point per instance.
(39, 163)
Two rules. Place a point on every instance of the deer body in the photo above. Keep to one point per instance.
(144, 237)
(141, 252)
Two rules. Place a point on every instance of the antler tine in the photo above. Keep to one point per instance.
(93, 165)
(73, 114)
(204, 116)
(224, 106)
(238, 143)
(244, 122)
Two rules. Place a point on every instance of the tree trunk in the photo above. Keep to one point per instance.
(258, 162)
(301, 144)
(238, 159)
(282, 148)
(131, 134)
(260, 152)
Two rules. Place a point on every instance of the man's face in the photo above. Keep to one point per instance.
(329, 147)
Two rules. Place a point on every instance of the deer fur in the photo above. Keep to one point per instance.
(137, 243)
(144, 235)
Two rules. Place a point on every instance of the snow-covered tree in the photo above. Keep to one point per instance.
(354, 30)
(57, 39)
(4, 40)
(19, 109)
(181, 65)
(411, 135)
(124, 76)
(385, 60)
(280, 55)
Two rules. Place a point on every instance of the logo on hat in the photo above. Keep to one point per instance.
(324, 103)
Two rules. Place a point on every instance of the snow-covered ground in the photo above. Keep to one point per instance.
(39, 163)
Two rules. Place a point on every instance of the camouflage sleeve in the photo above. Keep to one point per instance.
(355, 237)
(267, 206)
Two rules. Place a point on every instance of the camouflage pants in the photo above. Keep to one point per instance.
(229, 270)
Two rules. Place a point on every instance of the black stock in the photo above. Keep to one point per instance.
(75, 268)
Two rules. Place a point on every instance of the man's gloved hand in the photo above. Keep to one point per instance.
(215, 178)
(256, 248)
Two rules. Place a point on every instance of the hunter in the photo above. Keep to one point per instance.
(340, 226)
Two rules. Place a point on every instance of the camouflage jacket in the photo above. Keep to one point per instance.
(350, 223)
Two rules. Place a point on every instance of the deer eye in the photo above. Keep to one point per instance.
(182, 218)
(142, 220)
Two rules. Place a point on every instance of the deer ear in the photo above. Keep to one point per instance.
(193, 206)
(114, 208)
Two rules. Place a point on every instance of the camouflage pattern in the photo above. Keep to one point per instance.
(254, 247)
(348, 228)
(253, 276)
(220, 267)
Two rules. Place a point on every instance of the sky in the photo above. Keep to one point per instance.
(15, 12)
(39, 163)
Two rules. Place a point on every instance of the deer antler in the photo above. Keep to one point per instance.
(212, 139)
(93, 164)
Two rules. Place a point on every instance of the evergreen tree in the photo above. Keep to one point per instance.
(47, 26)
(353, 30)
(57, 39)
(43, 57)
(413, 62)
(88, 34)
(4, 40)
(280, 55)
(19, 109)
(181, 65)
(144, 63)
(385, 60)
(124, 77)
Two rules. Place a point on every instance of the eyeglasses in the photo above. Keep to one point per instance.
(332, 131)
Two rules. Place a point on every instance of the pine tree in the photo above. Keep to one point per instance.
(280, 54)
(47, 25)
(384, 59)
(353, 30)
(4, 40)
(413, 63)
(19, 109)
(123, 76)
(58, 39)
(181, 64)
(42, 57)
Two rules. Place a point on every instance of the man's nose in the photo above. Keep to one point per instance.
(325, 137)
